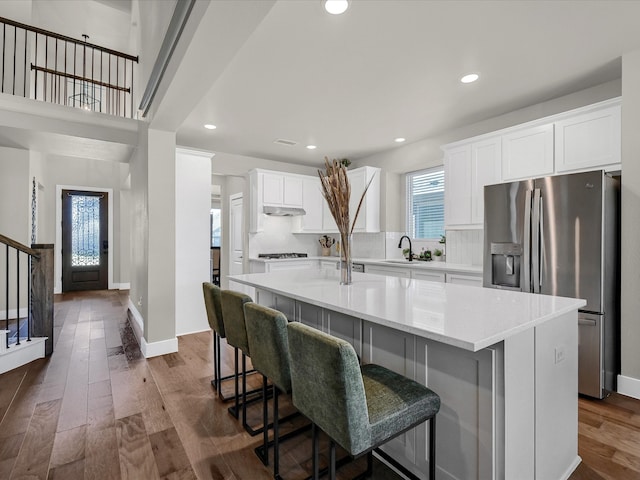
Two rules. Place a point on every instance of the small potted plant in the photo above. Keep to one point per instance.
(405, 253)
(437, 255)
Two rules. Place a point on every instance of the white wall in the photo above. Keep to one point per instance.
(193, 205)
(629, 383)
(81, 172)
(15, 216)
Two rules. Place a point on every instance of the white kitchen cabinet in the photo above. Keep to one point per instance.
(457, 189)
(590, 140)
(460, 279)
(329, 264)
(276, 189)
(527, 152)
(313, 203)
(291, 265)
(468, 168)
(486, 166)
(399, 272)
(272, 188)
(428, 275)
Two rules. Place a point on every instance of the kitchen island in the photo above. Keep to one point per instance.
(505, 364)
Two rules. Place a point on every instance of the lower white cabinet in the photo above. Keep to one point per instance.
(430, 276)
(460, 279)
(389, 271)
(292, 265)
(329, 264)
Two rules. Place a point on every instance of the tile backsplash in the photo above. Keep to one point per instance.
(465, 246)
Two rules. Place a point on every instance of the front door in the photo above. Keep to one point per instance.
(84, 240)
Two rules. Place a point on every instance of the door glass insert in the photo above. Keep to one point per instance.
(85, 231)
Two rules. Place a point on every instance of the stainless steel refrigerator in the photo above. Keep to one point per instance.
(560, 236)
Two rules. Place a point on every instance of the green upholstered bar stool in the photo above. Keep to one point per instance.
(213, 305)
(360, 408)
(267, 334)
(234, 324)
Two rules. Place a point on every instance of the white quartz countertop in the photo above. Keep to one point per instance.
(471, 318)
(432, 265)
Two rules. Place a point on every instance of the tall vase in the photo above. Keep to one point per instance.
(345, 260)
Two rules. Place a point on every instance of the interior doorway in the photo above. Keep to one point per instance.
(236, 232)
(85, 241)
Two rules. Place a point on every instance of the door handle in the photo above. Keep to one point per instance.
(535, 241)
(527, 242)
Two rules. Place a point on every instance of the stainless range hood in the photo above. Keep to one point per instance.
(283, 211)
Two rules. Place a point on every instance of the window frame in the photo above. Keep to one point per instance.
(409, 214)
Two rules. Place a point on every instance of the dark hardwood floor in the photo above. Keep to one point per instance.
(96, 409)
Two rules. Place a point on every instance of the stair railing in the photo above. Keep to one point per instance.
(47, 66)
(37, 320)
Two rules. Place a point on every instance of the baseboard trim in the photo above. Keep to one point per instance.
(162, 347)
(123, 286)
(195, 331)
(138, 322)
(152, 349)
(629, 386)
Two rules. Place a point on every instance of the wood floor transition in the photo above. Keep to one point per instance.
(96, 409)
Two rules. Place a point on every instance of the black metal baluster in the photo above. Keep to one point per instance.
(66, 47)
(29, 297)
(25, 72)
(117, 84)
(46, 64)
(18, 295)
(124, 84)
(109, 90)
(75, 56)
(57, 77)
(131, 90)
(15, 41)
(93, 85)
(4, 44)
(35, 96)
(101, 79)
(6, 327)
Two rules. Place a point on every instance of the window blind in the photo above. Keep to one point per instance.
(425, 203)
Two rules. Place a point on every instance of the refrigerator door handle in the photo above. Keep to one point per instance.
(535, 241)
(527, 242)
(542, 250)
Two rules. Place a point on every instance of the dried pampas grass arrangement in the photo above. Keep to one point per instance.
(336, 190)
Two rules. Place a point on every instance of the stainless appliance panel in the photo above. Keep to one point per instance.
(504, 219)
(590, 354)
(570, 247)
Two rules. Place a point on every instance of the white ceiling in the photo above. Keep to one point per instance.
(352, 83)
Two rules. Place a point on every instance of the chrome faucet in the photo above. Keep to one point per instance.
(410, 250)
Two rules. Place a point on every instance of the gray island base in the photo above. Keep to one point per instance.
(505, 364)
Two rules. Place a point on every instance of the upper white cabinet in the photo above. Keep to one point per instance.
(369, 216)
(527, 153)
(468, 168)
(486, 165)
(586, 138)
(291, 190)
(275, 189)
(281, 189)
(589, 140)
(312, 202)
(457, 186)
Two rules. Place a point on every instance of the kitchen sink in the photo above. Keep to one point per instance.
(404, 262)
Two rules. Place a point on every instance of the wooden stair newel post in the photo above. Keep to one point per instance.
(42, 295)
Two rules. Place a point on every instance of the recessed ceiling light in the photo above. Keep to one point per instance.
(470, 78)
(336, 7)
(209, 126)
(311, 147)
(400, 140)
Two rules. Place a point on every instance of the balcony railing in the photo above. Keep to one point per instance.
(54, 68)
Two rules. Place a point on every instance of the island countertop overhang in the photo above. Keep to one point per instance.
(467, 317)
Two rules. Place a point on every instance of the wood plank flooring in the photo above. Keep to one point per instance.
(97, 410)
